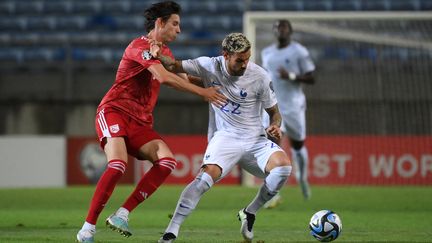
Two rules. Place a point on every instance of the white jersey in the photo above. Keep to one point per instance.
(293, 58)
(247, 95)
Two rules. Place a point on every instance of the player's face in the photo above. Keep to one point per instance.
(237, 62)
(171, 28)
(282, 30)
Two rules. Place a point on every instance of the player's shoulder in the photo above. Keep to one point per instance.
(299, 47)
(141, 41)
(258, 71)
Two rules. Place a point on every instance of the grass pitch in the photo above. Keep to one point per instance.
(369, 214)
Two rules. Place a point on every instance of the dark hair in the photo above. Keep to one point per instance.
(280, 21)
(159, 10)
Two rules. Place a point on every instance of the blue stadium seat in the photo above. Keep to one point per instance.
(41, 23)
(404, 5)
(229, 7)
(257, 5)
(57, 7)
(376, 5)
(11, 55)
(202, 7)
(102, 21)
(289, 5)
(92, 54)
(346, 5)
(114, 7)
(317, 5)
(7, 23)
(7, 7)
(43, 54)
(72, 23)
(139, 6)
(125, 23)
(86, 7)
(29, 7)
(84, 38)
(425, 5)
(217, 22)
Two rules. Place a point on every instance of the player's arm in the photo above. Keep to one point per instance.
(210, 94)
(170, 64)
(307, 78)
(273, 131)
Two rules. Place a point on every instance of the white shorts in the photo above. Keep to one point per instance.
(226, 151)
(294, 124)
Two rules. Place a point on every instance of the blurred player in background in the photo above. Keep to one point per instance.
(124, 120)
(289, 66)
(239, 136)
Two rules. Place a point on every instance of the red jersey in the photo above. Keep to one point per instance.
(135, 90)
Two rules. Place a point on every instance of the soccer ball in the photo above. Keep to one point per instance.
(325, 225)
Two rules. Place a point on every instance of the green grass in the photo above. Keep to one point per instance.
(369, 214)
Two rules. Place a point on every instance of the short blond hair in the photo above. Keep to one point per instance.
(235, 43)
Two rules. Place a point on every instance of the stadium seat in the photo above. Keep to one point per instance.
(7, 7)
(86, 7)
(217, 22)
(116, 7)
(71, 23)
(41, 23)
(346, 5)
(229, 7)
(375, 5)
(202, 7)
(125, 23)
(57, 7)
(29, 7)
(404, 5)
(317, 5)
(425, 5)
(14, 24)
(10, 55)
(256, 5)
(289, 5)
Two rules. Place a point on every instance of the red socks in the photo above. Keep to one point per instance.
(150, 182)
(104, 188)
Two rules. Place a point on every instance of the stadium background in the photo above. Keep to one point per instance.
(370, 107)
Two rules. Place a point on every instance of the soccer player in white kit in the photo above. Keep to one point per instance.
(239, 136)
(289, 66)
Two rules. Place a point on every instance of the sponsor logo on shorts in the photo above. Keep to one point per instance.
(114, 128)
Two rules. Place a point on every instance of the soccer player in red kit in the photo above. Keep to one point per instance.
(124, 120)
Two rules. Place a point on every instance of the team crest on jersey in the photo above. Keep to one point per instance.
(243, 94)
(146, 55)
(114, 128)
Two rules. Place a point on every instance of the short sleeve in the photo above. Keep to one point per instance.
(268, 94)
(139, 51)
(305, 61)
(195, 66)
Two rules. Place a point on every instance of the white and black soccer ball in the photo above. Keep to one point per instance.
(325, 226)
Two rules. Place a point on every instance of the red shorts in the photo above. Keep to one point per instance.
(112, 123)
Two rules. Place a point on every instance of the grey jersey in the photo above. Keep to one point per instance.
(293, 58)
(247, 95)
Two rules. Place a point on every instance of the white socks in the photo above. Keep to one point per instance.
(188, 201)
(272, 184)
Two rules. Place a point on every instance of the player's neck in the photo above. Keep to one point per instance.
(152, 35)
(283, 43)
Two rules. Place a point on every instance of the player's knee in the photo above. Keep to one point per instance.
(213, 170)
(278, 177)
(296, 145)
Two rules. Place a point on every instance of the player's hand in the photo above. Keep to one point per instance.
(284, 74)
(155, 47)
(274, 132)
(213, 96)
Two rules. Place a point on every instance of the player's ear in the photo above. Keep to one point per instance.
(225, 55)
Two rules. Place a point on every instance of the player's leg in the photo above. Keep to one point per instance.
(273, 161)
(221, 155)
(300, 158)
(151, 148)
(189, 198)
(110, 129)
(115, 150)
